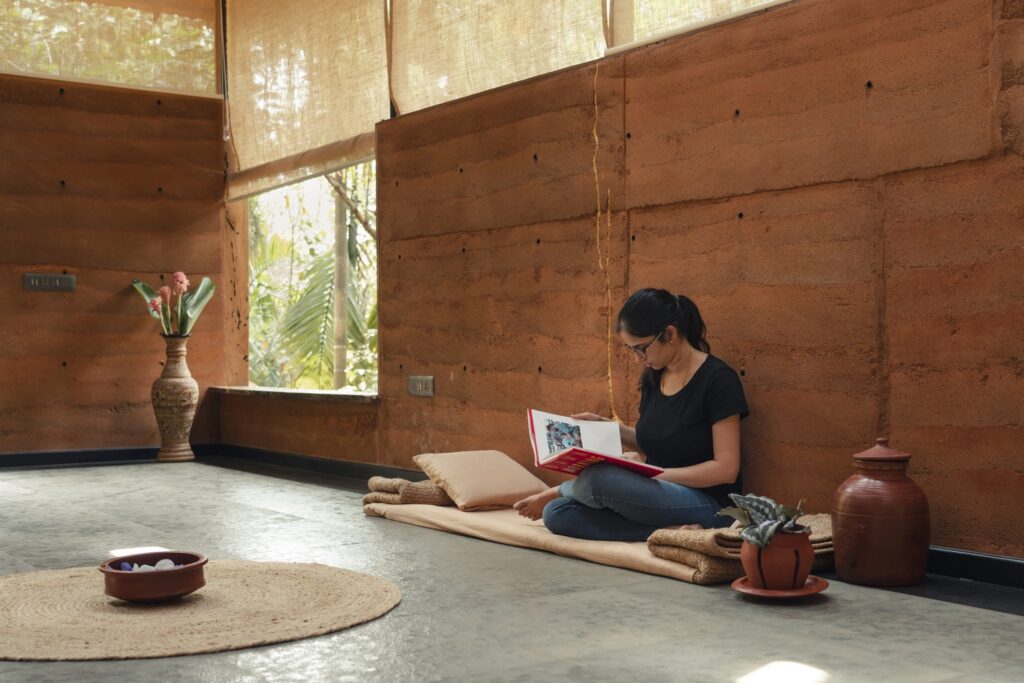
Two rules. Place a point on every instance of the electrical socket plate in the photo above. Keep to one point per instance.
(48, 282)
(421, 385)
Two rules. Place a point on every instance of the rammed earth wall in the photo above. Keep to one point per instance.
(107, 184)
(838, 185)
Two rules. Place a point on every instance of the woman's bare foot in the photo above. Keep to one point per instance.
(532, 507)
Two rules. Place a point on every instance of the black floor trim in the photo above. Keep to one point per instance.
(965, 564)
(79, 458)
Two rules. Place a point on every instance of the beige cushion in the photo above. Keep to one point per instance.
(480, 480)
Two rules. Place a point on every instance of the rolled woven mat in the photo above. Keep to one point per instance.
(715, 553)
(386, 484)
(405, 492)
(711, 570)
(726, 543)
(707, 570)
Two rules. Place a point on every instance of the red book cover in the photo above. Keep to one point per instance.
(560, 445)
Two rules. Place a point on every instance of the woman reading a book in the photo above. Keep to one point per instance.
(691, 404)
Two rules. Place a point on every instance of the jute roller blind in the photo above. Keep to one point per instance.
(307, 82)
(447, 49)
(636, 20)
(167, 44)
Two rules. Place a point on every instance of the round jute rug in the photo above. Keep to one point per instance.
(64, 614)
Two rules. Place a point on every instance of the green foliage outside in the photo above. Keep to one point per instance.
(105, 42)
(292, 284)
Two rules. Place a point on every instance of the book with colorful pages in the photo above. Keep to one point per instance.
(566, 445)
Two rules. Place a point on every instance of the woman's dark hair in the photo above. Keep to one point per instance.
(649, 311)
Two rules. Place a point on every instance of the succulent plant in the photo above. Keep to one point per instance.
(762, 518)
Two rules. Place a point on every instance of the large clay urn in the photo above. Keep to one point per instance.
(175, 396)
(880, 521)
(783, 565)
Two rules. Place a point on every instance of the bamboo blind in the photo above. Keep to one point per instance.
(164, 44)
(306, 82)
(446, 50)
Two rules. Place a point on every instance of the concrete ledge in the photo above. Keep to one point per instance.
(305, 394)
(340, 468)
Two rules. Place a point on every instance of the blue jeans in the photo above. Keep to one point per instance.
(609, 503)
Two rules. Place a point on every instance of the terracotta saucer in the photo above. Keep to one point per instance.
(815, 584)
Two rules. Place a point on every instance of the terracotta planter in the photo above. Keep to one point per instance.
(880, 521)
(175, 396)
(784, 564)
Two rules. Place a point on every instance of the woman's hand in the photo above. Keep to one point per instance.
(590, 416)
(634, 456)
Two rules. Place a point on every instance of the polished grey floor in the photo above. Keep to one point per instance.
(473, 610)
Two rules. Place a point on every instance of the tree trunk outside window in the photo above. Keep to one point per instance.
(340, 289)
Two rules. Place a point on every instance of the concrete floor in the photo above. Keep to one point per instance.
(473, 610)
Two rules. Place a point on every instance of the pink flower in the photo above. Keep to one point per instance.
(156, 305)
(181, 283)
(165, 294)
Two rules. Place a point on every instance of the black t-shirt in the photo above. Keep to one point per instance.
(675, 431)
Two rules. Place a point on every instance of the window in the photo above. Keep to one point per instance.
(445, 50)
(166, 44)
(636, 20)
(313, 263)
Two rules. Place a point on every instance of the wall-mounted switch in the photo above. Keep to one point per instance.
(48, 282)
(421, 385)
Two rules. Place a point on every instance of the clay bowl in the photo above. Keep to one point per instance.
(162, 584)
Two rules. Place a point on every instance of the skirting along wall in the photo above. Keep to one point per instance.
(107, 184)
(838, 185)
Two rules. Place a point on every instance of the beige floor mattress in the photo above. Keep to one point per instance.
(506, 526)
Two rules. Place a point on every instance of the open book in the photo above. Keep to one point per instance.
(566, 445)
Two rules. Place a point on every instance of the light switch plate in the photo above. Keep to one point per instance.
(48, 282)
(421, 385)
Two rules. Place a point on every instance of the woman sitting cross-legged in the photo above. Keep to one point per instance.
(691, 404)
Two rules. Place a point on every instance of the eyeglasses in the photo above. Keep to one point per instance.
(641, 349)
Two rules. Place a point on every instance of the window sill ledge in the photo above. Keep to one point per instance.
(326, 395)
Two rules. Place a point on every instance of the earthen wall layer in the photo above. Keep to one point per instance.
(838, 185)
(109, 185)
(332, 429)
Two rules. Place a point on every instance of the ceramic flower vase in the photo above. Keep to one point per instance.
(783, 565)
(175, 397)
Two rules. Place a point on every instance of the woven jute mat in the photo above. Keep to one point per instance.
(64, 614)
